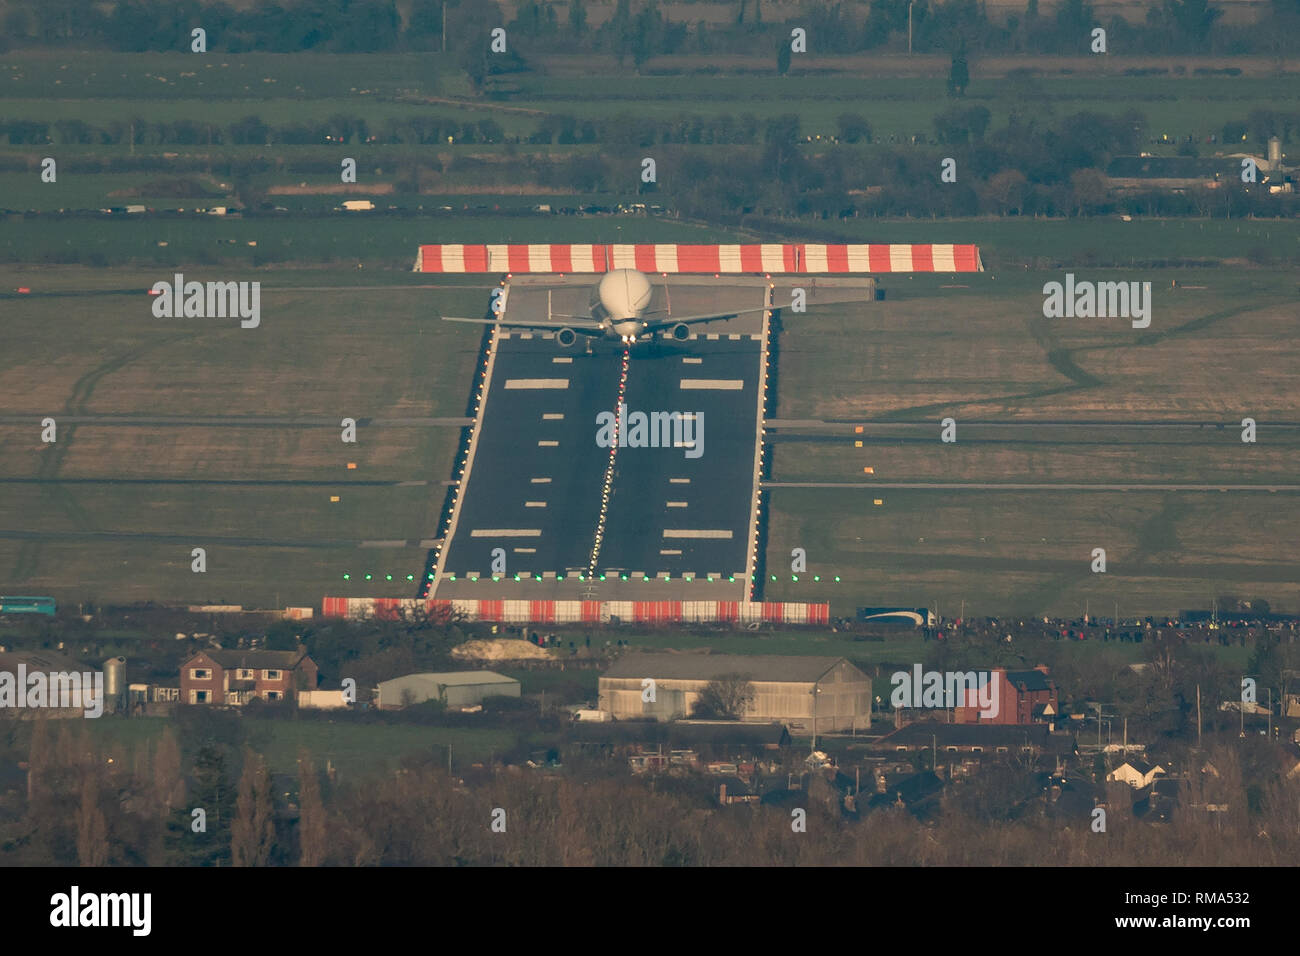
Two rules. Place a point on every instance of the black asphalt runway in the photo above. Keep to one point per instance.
(668, 514)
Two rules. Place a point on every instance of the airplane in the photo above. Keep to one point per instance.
(618, 310)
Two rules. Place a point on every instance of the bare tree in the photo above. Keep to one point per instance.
(252, 833)
(92, 829)
(726, 697)
(313, 836)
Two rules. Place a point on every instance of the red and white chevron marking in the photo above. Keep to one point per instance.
(790, 258)
(577, 612)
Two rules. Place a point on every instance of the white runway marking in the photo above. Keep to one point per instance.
(563, 359)
(669, 551)
(723, 384)
(534, 504)
(540, 481)
(679, 481)
(723, 534)
(676, 504)
(548, 444)
(693, 361)
(506, 533)
(553, 416)
(523, 550)
(516, 383)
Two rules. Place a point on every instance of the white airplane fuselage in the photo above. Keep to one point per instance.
(619, 303)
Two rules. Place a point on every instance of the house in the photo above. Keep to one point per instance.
(807, 694)
(233, 678)
(1024, 697)
(733, 790)
(456, 689)
(1137, 773)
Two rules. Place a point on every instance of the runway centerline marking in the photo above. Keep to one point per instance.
(553, 416)
(689, 360)
(722, 534)
(539, 481)
(534, 504)
(669, 551)
(506, 533)
(563, 359)
(548, 444)
(676, 504)
(679, 481)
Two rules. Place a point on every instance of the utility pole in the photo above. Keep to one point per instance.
(909, 29)
(444, 26)
(1198, 716)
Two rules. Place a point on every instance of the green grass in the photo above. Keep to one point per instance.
(356, 750)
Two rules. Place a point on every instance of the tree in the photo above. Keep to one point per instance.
(853, 128)
(92, 830)
(783, 57)
(577, 17)
(167, 772)
(958, 73)
(252, 833)
(725, 698)
(313, 838)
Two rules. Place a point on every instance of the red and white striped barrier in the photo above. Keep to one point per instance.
(789, 258)
(582, 612)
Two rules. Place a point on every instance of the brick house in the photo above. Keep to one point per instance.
(1024, 697)
(233, 678)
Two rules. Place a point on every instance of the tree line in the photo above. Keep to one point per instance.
(642, 30)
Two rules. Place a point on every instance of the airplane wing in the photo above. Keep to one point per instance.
(587, 325)
(689, 319)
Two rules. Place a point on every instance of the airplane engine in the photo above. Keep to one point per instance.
(681, 331)
(566, 337)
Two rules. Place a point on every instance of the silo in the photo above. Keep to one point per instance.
(1274, 153)
(114, 683)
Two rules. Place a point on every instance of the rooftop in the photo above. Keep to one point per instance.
(759, 667)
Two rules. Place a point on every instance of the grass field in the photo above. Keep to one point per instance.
(114, 509)
(1214, 354)
(222, 88)
(356, 750)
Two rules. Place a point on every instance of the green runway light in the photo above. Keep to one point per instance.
(389, 577)
(347, 577)
(559, 577)
(794, 577)
(429, 575)
(516, 577)
(774, 577)
(709, 578)
(451, 577)
(731, 578)
(495, 578)
(837, 579)
(602, 577)
(817, 577)
(367, 577)
(410, 577)
(623, 576)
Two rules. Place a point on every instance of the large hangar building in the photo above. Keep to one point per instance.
(806, 694)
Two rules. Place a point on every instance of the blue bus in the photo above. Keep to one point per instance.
(27, 605)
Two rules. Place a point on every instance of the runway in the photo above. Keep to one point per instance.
(680, 509)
